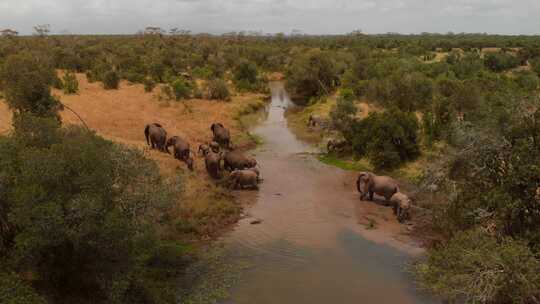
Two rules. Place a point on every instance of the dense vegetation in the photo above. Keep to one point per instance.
(72, 222)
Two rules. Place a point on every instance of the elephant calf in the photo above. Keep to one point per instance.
(369, 183)
(235, 160)
(212, 162)
(244, 178)
(336, 145)
(181, 149)
(156, 136)
(401, 204)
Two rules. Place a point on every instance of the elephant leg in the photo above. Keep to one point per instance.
(371, 195)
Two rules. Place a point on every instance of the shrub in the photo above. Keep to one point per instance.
(217, 89)
(70, 83)
(111, 80)
(26, 79)
(311, 74)
(343, 113)
(246, 75)
(180, 88)
(149, 85)
(501, 61)
(475, 267)
(388, 138)
(79, 212)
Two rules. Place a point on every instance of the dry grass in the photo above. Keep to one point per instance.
(121, 116)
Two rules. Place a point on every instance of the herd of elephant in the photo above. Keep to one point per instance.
(243, 169)
(369, 184)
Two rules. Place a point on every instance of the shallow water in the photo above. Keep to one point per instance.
(309, 247)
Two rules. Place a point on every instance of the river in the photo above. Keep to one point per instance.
(311, 246)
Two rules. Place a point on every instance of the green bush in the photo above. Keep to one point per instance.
(388, 139)
(70, 83)
(149, 85)
(180, 88)
(81, 215)
(246, 75)
(311, 73)
(343, 113)
(26, 79)
(217, 89)
(501, 61)
(111, 80)
(475, 267)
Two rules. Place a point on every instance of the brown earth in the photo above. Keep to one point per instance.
(121, 116)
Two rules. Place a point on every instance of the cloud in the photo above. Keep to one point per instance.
(314, 16)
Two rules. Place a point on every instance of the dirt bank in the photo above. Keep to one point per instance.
(121, 115)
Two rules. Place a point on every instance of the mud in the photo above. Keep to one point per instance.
(317, 242)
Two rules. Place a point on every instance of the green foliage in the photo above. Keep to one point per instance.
(180, 88)
(246, 75)
(70, 83)
(475, 267)
(80, 213)
(111, 80)
(13, 290)
(388, 139)
(535, 64)
(409, 92)
(344, 112)
(500, 61)
(217, 89)
(311, 73)
(149, 85)
(26, 79)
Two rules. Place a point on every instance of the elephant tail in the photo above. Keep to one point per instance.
(147, 134)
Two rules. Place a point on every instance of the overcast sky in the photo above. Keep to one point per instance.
(313, 17)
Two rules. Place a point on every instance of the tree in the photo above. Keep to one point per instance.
(81, 214)
(475, 267)
(388, 139)
(26, 79)
(70, 83)
(311, 74)
(344, 112)
(217, 89)
(42, 30)
(246, 75)
(111, 80)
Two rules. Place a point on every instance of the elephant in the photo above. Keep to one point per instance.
(335, 145)
(235, 160)
(212, 162)
(369, 183)
(156, 136)
(244, 178)
(181, 150)
(204, 149)
(214, 146)
(401, 204)
(314, 120)
(221, 135)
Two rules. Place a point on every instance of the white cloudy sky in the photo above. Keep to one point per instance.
(315, 16)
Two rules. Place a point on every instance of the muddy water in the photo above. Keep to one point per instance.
(310, 247)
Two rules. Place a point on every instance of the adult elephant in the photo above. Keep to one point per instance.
(156, 136)
(221, 135)
(181, 150)
(244, 178)
(369, 183)
(236, 160)
(212, 162)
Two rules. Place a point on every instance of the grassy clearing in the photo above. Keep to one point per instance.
(350, 165)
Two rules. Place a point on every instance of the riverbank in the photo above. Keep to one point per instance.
(374, 216)
(205, 208)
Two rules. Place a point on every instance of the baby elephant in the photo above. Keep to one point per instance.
(402, 206)
(244, 178)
